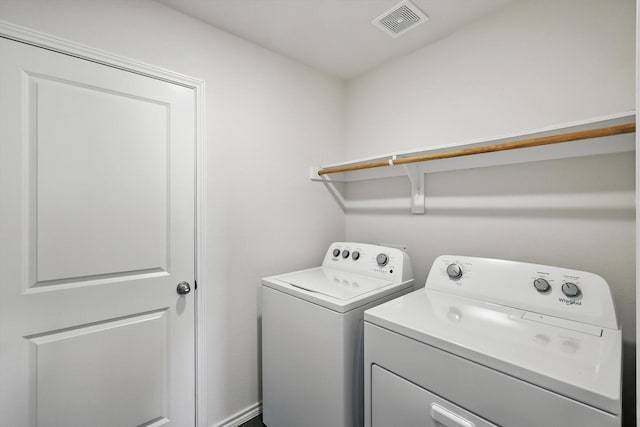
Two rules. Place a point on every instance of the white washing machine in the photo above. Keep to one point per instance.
(312, 329)
(490, 342)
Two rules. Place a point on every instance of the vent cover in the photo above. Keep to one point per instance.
(400, 19)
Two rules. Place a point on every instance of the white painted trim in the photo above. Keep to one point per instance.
(202, 402)
(67, 47)
(36, 38)
(242, 416)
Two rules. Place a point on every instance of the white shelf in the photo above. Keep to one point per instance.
(416, 171)
(604, 145)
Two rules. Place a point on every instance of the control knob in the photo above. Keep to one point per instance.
(382, 259)
(355, 255)
(454, 271)
(345, 254)
(541, 285)
(570, 289)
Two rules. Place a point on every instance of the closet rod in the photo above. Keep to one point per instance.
(525, 143)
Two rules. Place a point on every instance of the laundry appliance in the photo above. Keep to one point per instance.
(312, 334)
(495, 343)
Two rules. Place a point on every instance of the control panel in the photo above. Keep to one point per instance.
(564, 293)
(372, 260)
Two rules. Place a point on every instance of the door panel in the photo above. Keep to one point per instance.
(106, 156)
(79, 367)
(96, 231)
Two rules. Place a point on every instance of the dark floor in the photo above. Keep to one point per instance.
(255, 422)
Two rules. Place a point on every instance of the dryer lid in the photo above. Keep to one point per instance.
(576, 360)
(334, 283)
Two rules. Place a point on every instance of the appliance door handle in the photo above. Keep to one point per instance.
(447, 418)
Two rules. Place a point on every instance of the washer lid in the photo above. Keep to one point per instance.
(334, 289)
(334, 283)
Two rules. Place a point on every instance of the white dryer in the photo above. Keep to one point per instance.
(491, 342)
(312, 329)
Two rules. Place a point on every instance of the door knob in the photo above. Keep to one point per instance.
(183, 288)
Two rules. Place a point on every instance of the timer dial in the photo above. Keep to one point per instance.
(355, 255)
(454, 271)
(570, 289)
(382, 259)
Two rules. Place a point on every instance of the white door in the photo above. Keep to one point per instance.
(96, 231)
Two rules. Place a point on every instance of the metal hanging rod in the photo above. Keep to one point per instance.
(525, 143)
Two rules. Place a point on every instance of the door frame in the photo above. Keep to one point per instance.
(66, 47)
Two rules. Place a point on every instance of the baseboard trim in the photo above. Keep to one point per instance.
(242, 416)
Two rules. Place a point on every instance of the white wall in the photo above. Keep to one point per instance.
(528, 65)
(268, 119)
(525, 66)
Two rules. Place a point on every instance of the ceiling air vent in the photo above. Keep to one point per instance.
(400, 19)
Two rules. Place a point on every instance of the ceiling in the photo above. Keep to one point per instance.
(333, 35)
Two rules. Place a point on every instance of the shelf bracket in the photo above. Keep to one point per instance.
(335, 193)
(416, 179)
